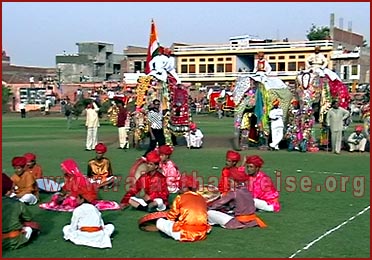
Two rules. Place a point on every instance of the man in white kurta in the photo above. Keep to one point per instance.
(194, 137)
(87, 228)
(316, 62)
(92, 124)
(277, 125)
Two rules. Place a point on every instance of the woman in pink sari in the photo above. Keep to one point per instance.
(265, 195)
(76, 183)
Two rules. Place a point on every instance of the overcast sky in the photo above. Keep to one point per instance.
(34, 33)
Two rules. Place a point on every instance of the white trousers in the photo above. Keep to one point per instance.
(122, 136)
(92, 138)
(166, 226)
(27, 232)
(358, 147)
(262, 205)
(27, 198)
(276, 137)
(218, 217)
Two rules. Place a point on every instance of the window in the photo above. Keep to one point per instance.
(220, 59)
(192, 68)
(137, 66)
(272, 57)
(192, 60)
(220, 67)
(202, 59)
(210, 68)
(228, 67)
(292, 57)
(228, 59)
(273, 66)
(184, 60)
(292, 66)
(183, 68)
(281, 66)
(354, 70)
(211, 59)
(301, 56)
(202, 68)
(301, 65)
(281, 57)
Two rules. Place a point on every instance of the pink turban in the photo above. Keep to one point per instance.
(255, 160)
(359, 128)
(188, 181)
(193, 126)
(30, 156)
(101, 148)
(233, 156)
(153, 157)
(69, 166)
(19, 161)
(165, 149)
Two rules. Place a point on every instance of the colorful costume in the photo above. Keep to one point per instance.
(14, 216)
(25, 188)
(241, 201)
(187, 220)
(265, 195)
(170, 169)
(223, 184)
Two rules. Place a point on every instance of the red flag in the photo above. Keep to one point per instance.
(153, 46)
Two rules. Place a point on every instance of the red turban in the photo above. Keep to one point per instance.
(239, 176)
(153, 157)
(30, 156)
(233, 156)
(359, 128)
(7, 184)
(165, 149)
(188, 181)
(276, 102)
(294, 103)
(19, 161)
(101, 148)
(255, 160)
(193, 126)
(69, 166)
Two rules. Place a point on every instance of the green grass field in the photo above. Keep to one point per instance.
(306, 215)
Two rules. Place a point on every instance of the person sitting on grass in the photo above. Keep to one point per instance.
(75, 183)
(356, 140)
(100, 168)
(265, 195)
(194, 137)
(44, 184)
(169, 168)
(16, 219)
(24, 185)
(87, 226)
(187, 219)
(240, 200)
(153, 183)
(232, 159)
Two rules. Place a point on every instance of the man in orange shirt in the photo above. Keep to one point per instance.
(25, 188)
(187, 219)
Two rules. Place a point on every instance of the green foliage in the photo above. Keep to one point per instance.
(6, 93)
(318, 33)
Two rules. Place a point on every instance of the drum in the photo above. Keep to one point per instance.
(209, 192)
(148, 222)
(138, 168)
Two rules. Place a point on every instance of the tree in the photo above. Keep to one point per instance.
(318, 33)
(5, 95)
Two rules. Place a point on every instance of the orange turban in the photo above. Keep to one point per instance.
(359, 128)
(193, 126)
(239, 176)
(188, 181)
(101, 148)
(19, 161)
(233, 156)
(255, 160)
(30, 156)
(165, 149)
(153, 157)
(276, 102)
